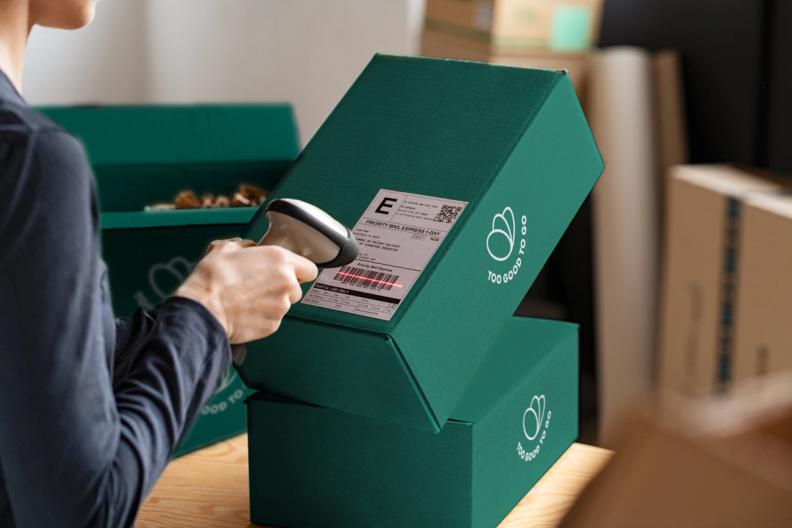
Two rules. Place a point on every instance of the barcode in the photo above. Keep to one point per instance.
(373, 280)
(447, 214)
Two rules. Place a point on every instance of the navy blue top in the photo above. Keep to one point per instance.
(91, 408)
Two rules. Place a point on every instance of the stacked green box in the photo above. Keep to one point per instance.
(458, 180)
(313, 466)
(146, 154)
(511, 146)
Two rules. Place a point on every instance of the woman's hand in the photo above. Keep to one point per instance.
(248, 288)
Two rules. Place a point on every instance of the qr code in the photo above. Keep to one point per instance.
(447, 214)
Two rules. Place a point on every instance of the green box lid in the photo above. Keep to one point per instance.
(147, 154)
(511, 142)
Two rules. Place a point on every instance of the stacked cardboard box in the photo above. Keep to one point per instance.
(726, 283)
(564, 25)
(441, 44)
(400, 390)
(146, 154)
(553, 34)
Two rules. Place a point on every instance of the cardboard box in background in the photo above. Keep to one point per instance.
(146, 154)
(518, 415)
(443, 44)
(459, 192)
(763, 318)
(563, 25)
(723, 461)
(702, 237)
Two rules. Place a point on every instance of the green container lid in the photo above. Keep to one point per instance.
(147, 154)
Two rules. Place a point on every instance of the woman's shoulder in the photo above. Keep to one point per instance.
(28, 135)
(38, 158)
(45, 182)
(17, 117)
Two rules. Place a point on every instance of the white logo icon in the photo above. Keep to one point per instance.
(178, 268)
(500, 241)
(533, 417)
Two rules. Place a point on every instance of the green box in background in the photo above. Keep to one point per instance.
(459, 179)
(313, 466)
(146, 154)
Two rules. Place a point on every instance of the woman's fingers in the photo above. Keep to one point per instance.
(249, 292)
(296, 293)
(304, 269)
(229, 244)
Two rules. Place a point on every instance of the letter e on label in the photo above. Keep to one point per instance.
(385, 205)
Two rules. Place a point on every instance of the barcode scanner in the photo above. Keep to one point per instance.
(305, 229)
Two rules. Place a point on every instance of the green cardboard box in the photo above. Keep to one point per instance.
(146, 154)
(313, 466)
(459, 179)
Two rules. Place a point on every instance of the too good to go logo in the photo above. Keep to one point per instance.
(503, 246)
(534, 428)
(533, 417)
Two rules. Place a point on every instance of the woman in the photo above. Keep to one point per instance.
(92, 407)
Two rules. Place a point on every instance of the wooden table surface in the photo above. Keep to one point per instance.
(210, 488)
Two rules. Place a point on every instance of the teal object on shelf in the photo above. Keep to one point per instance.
(571, 28)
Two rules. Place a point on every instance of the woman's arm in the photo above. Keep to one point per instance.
(74, 451)
(130, 333)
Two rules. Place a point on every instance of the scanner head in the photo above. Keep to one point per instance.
(308, 231)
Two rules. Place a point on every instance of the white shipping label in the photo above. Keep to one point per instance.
(398, 234)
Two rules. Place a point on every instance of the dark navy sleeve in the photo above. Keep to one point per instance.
(78, 446)
(130, 334)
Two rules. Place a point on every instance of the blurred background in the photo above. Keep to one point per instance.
(678, 268)
(303, 52)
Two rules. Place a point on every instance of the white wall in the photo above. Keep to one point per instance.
(105, 62)
(306, 52)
